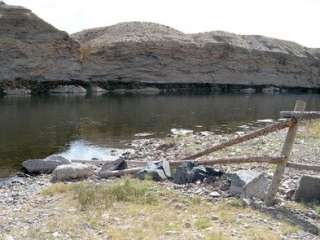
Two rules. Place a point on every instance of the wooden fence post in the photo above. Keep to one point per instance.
(286, 150)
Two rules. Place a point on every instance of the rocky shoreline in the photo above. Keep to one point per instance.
(24, 189)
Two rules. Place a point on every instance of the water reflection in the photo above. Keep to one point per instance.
(84, 150)
(39, 126)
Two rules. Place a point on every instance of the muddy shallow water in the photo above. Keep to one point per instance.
(82, 127)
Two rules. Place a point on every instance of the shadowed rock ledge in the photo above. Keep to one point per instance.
(136, 55)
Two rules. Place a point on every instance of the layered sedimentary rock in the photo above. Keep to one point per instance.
(155, 54)
(32, 50)
(36, 56)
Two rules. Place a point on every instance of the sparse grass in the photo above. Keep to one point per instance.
(84, 53)
(217, 236)
(57, 188)
(304, 206)
(105, 195)
(287, 228)
(133, 209)
(236, 203)
(313, 129)
(262, 233)
(314, 205)
(203, 223)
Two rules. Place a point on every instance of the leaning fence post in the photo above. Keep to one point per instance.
(286, 150)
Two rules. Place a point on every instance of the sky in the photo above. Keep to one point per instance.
(294, 20)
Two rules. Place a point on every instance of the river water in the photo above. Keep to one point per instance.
(81, 127)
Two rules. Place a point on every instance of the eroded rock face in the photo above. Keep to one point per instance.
(152, 53)
(142, 56)
(33, 50)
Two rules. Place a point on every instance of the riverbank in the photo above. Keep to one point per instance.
(24, 206)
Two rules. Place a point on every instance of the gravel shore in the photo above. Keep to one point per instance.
(22, 191)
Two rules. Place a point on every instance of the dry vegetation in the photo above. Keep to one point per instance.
(84, 53)
(132, 209)
(313, 129)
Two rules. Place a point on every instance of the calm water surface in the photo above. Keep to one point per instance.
(90, 127)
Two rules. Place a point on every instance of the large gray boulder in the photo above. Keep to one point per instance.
(46, 165)
(308, 189)
(249, 183)
(74, 171)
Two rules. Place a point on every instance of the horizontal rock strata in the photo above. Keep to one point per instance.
(139, 55)
(155, 54)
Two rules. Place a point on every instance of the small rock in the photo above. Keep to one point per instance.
(187, 225)
(215, 194)
(214, 218)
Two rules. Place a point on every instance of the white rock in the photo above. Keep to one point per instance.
(96, 89)
(214, 194)
(265, 121)
(143, 134)
(180, 131)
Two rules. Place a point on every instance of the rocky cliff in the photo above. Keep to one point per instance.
(155, 54)
(37, 56)
(31, 50)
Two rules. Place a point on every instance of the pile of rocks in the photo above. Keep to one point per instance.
(61, 168)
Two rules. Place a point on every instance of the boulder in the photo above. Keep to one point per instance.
(308, 189)
(46, 165)
(68, 89)
(74, 171)
(119, 164)
(156, 171)
(190, 172)
(249, 183)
